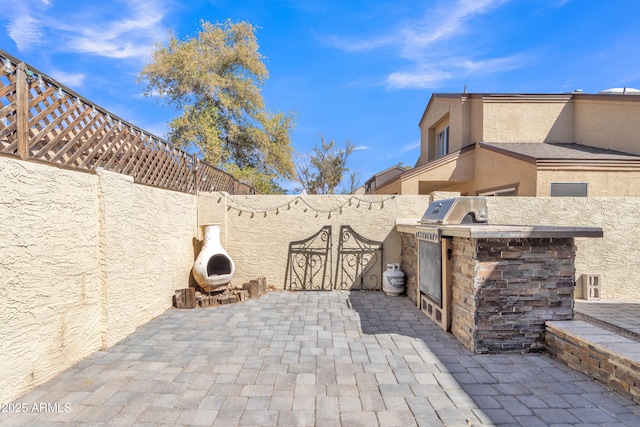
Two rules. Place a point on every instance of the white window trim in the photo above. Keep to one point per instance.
(442, 137)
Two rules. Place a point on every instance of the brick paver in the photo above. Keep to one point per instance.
(618, 316)
(321, 358)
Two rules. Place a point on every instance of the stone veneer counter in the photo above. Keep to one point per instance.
(505, 281)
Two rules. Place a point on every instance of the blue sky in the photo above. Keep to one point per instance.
(358, 70)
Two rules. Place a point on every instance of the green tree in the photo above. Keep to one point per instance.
(215, 79)
(322, 171)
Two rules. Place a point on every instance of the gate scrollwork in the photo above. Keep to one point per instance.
(359, 265)
(359, 262)
(307, 262)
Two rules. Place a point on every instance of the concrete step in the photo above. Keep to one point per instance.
(602, 354)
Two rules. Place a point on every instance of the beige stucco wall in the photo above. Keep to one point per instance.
(149, 251)
(450, 173)
(508, 119)
(410, 186)
(391, 187)
(499, 170)
(49, 269)
(427, 187)
(615, 256)
(475, 120)
(259, 245)
(84, 260)
(611, 124)
(442, 111)
(601, 183)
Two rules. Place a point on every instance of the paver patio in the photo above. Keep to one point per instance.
(619, 316)
(315, 358)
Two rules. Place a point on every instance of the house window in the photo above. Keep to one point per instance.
(502, 192)
(442, 143)
(568, 189)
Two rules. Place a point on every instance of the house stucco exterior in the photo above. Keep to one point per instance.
(482, 144)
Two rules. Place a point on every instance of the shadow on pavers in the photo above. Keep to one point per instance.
(507, 389)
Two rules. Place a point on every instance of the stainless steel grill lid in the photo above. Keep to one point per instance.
(460, 210)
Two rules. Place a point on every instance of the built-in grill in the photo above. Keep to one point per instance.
(461, 210)
(434, 251)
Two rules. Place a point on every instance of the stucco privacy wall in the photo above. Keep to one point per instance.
(84, 260)
(49, 273)
(149, 240)
(259, 245)
(614, 256)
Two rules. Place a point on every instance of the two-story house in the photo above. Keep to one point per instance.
(574, 144)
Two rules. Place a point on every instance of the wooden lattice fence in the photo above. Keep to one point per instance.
(42, 120)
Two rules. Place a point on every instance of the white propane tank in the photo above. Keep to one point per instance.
(393, 280)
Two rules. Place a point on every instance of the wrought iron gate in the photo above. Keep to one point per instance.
(359, 262)
(358, 258)
(307, 263)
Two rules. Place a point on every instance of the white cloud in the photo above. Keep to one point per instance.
(73, 80)
(492, 65)
(416, 79)
(360, 148)
(25, 31)
(419, 41)
(446, 22)
(410, 147)
(456, 67)
(109, 48)
(431, 44)
(123, 29)
(359, 45)
(122, 38)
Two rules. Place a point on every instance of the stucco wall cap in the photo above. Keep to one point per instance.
(407, 225)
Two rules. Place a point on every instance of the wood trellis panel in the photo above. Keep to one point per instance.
(8, 113)
(59, 127)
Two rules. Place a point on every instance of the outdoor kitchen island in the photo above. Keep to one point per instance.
(499, 284)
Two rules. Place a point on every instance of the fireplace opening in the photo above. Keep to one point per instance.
(218, 264)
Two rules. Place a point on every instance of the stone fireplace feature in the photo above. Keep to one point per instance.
(214, 267)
